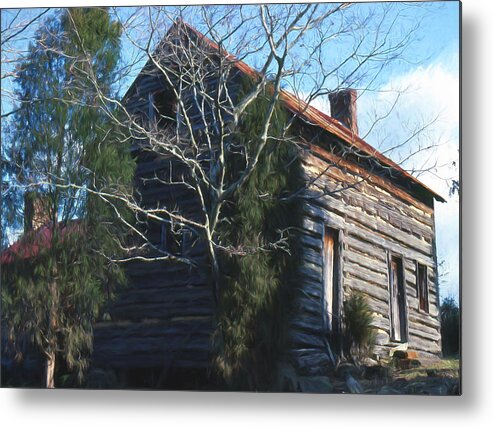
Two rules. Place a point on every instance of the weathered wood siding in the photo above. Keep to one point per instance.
(164, 318)
(374, 223)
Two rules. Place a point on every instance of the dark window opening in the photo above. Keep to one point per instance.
(163, 244)
(176, 240)
(162, 108)
(422, 286)
(169, 239)
(332, 282)
(162, 237)
(398, 315)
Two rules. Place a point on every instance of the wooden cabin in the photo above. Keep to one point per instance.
(368, 226)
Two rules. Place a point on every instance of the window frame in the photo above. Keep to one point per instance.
(419, 290)
(402, 305)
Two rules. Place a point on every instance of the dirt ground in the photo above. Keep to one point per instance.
(433, 377)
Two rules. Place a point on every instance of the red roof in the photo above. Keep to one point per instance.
(33, 242)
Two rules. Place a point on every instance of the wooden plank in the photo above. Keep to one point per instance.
(365, 248)
(363, 273)
(311, 324)
(324, 216)
(374, 224)
(349, 188)
(308, 306)
(300, 339)
(374, 291)
(381, 347)
(310, 287)
(423, 331)
(372, 178)
(167, 310)
(381, 322)
(312, 227)
(108, 330)
(396, 218)
(371, 236)
(310, 361)
(311, 256)
(309, 270)
(417, 343)
(307, 240)
(367, 261)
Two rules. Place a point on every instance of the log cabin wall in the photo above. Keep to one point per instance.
(375, 221)
(164, 318)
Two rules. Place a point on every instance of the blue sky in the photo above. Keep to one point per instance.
(434, 92)
(430, 79)
(430, 75)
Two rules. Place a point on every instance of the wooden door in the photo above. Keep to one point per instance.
(331, 277)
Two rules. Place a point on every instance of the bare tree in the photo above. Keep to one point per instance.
(187, 106)
(310, 49)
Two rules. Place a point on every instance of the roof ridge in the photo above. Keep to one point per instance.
(320, 118)
(312, 114)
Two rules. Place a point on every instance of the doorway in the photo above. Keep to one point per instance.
(332, 280)
(398, 312)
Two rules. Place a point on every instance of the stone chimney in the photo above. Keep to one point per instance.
(343, 108)
(36, 211)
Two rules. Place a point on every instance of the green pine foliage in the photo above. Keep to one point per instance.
(255, 289)
(359, 334)
(62, 135)
(53, 298)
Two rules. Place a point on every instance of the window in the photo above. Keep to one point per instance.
(162, 237)
(151, 113)
(398, 314)
(422, 287)
(331, 273)
(176, 240)
(187, 241)
(162, 108)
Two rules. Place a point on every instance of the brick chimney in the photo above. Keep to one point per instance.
(36, 210)
(343, 108)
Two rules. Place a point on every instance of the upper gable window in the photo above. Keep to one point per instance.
(162, 108)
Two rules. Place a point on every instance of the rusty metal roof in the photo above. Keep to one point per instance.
(317, 117)
(311, 114)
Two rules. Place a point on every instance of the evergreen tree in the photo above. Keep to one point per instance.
(63, 147)
(255, 296)
(450, 317)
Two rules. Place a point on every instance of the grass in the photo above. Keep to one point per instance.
(448, 368)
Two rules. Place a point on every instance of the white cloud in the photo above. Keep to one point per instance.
(427, 96)
(426, 93)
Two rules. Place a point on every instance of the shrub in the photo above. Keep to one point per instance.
(450, 315)
(359, 334)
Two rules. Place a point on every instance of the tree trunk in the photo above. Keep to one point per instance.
(214, 268)
(51, 353)
(50, 370)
